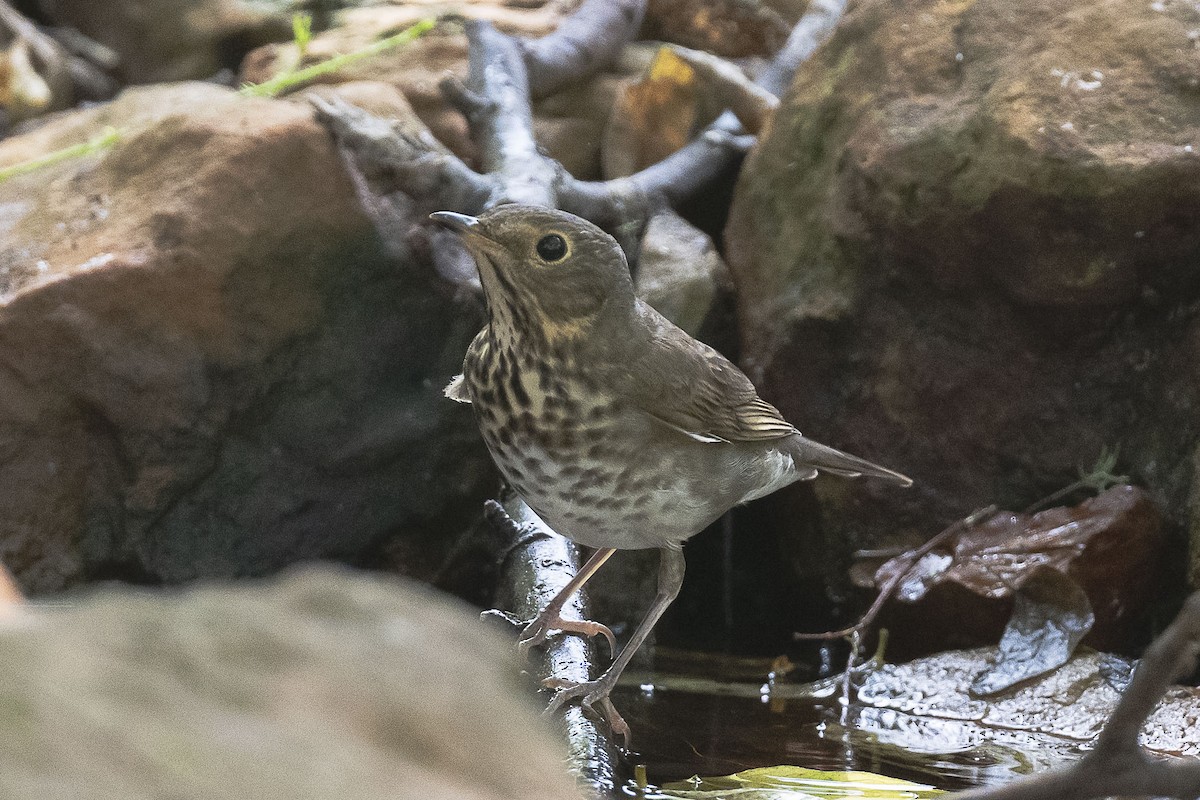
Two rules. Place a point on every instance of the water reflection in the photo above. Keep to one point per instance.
(678, 734)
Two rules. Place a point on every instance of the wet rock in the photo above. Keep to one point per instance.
(171, 40)
(212, 365)
(318, 684)
(927, 705)
(960, 252)
(962, 593)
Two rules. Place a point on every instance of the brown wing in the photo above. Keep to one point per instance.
(687, 385)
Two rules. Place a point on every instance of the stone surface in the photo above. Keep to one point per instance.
(961, 251)
(679, 272)
(1073, 703)
(171, 40)
(318, 684)
(211, 365)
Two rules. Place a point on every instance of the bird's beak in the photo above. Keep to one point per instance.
(459, 223)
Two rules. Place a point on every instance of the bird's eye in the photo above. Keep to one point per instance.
(552, 247)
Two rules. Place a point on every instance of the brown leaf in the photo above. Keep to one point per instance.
(961, 593)
(652, 117)
(1051, 615)
(994, 558)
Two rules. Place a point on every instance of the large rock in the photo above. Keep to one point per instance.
(965, 249)
(317, 685)
(211, 365)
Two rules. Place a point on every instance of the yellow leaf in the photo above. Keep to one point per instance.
(787, 782)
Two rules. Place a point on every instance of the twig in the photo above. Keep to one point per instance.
(817, 24)
(502, 123)
(108, 137)
(694, 166)
(289, 81)
(417, 162)
(497, 107)
(1098, 478)
(910, 560)
(1118, 765)
(750, 103)
(497, 104)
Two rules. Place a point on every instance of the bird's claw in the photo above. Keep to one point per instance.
(593, 698)
(539, 630)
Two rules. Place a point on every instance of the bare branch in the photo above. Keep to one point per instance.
(538, 563)
(697, 163)
(503, 125)
(584, 43)
(811, 31)
(910, 559)
(749, 102)
(416, 163)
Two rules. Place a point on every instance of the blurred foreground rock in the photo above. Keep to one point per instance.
(318, 684)
(211, 364)
(966, 249)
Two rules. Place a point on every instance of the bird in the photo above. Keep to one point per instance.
(617, 428)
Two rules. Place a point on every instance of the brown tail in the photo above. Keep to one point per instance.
(808, 453)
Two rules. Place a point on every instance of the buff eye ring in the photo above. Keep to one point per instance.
(552, 247)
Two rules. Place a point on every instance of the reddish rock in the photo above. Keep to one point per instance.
(964, 249)
(210, 363)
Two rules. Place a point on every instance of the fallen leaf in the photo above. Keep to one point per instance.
(652, 117)
(797, 783)
(1051, 615)
(962, 593)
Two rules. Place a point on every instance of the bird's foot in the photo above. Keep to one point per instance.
(593, 697)
(539, 630)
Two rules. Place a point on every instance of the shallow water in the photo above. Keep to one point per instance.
(678, 734)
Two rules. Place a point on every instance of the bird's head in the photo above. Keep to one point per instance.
(544, 270)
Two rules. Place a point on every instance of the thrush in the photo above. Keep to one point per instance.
(617, 428)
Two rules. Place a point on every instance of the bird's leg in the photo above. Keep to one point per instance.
(595, 693)
(551, 618)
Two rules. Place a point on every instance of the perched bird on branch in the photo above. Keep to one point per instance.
(617, 428)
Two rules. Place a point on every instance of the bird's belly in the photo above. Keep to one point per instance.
(606, 484)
